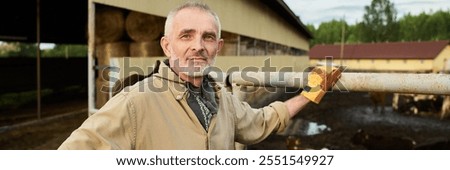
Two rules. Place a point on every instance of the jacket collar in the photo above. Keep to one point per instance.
(177, 85)
(165, 72)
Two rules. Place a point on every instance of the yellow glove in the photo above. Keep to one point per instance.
(320, 80)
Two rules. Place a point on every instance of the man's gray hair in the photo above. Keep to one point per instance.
(191, 4)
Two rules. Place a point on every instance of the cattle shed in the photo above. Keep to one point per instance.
(411, 57)
(112, 29)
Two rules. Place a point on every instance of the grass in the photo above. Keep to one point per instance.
(15, 100)
(10, 101)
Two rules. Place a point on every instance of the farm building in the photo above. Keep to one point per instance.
(114, 29)
(126, 37)
(412, 57)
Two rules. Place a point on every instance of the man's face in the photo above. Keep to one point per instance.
(192, 43)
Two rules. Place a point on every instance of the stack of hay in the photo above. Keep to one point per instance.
(121, 33)
(146, 31)
(109, 33)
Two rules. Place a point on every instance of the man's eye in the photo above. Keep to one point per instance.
(185, 36)
(210, 37)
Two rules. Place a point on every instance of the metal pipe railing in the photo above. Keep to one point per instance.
(362, 82)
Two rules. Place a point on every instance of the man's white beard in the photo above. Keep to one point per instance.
(197, 71)
(194, 70)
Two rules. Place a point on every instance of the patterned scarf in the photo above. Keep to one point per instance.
(202, 102)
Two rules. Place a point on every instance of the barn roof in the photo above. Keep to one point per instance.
(387, 50)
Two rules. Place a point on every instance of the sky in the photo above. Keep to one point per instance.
(317, 11)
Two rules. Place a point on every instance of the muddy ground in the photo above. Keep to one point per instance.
(347, 121)
(330, 125)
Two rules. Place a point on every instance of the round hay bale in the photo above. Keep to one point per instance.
(146, 49)
(144, 27)
(109, 24)
(105, 51)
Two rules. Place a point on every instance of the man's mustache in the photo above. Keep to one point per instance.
(198, 54)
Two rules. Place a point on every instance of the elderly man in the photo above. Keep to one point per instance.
(179, 106)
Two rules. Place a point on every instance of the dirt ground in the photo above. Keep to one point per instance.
(58, 120)
(333, 124)
(346, 121)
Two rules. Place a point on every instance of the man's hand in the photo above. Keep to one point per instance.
(320, 80)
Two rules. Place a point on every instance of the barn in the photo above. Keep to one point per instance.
(254, 31)
(405, 57)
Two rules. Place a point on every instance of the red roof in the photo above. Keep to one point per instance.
(389, 50)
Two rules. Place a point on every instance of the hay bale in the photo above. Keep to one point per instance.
(144, 27)
(109, 24)
(102, 88)
(146, 49)
(104, 52)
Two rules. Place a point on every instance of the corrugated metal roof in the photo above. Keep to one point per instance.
(388, 50)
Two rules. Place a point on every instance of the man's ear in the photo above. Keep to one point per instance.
(220, 45)
(165, 46)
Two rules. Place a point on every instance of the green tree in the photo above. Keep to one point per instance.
(65, 50)
(425, 27)
(354, 33)
(409, 28)
(438, 25)
(17, 49)
(380, 22)
(421, 33)
(330, 32)
(421, 27)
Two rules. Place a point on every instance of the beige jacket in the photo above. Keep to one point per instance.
(154, 114)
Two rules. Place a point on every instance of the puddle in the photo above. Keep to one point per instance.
(314, 129)
(300, 127)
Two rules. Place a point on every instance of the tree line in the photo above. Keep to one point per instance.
(380, 24)
(19, 49)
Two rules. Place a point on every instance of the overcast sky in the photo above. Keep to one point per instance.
(317, 11)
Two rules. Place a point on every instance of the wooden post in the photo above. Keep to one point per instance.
(38, 59)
